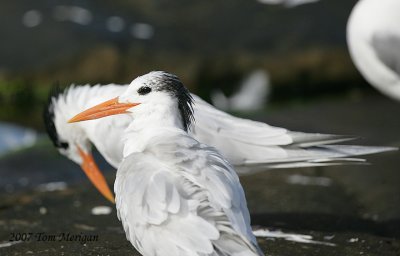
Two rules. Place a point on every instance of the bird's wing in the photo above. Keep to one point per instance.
(254, 146)
(106, 135)
(182, 198)
(211, 122)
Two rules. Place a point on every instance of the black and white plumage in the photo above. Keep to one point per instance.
(49, 119)
(174, 195)
(166, 82)
(373, 38)
(63, 104)
(73, 141)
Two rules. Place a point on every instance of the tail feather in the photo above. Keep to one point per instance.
(305, 140)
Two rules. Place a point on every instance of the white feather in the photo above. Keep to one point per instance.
(204, 191)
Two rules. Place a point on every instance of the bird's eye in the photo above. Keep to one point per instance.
(63, 145)
(144, 90)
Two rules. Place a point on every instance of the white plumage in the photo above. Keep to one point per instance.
(373, 37)
(179, 197)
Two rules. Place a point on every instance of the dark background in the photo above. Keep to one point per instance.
(209, 44)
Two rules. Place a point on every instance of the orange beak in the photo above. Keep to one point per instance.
(95, 176)
(107, 108)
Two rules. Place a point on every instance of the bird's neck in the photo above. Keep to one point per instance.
(147, 124)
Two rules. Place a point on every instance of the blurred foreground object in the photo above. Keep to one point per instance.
(373, 37)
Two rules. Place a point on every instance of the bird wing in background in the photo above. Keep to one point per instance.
(107, 136)
(254, 146)
(193, 205)
(106, 133)
(252, 94)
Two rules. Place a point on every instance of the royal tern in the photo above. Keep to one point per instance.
(373, 38)
(174, 194)
(71, 140)
(248, 145)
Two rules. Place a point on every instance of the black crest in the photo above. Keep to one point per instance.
(48, 117)
(171, 83)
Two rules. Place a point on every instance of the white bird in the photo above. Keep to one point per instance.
(373, 38)
(249, 146)
(174, 195)
(251, 96)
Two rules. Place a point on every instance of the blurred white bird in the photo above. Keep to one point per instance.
(373, 38)
(248, 145)
(174, 195)
(288, 3)
(252, 95)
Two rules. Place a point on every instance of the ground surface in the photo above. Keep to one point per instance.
(352, 210)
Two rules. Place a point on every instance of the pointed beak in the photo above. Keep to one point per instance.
(95, 176)
(107, 108)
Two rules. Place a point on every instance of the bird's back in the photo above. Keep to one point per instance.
(185, 197)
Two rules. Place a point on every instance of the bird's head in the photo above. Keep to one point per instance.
(146, 95)
(70, 139)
